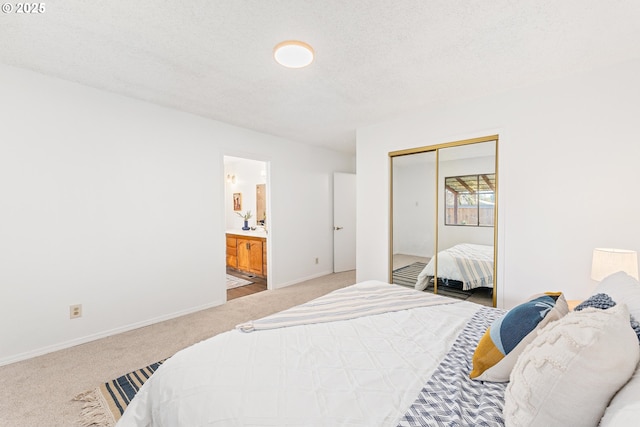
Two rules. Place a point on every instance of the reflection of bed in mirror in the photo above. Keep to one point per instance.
(464, 266)
(441, 196)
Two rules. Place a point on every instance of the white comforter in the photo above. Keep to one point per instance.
(360, 372)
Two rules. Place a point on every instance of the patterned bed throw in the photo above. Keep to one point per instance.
(362, 299)
(475, 263)
(450, 398)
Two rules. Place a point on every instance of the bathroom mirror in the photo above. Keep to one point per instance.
(443, 219)
(261, 210)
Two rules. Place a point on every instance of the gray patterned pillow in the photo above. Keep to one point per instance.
(603, 302)
(636, 327)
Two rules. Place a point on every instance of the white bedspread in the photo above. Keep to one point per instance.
(360, 372)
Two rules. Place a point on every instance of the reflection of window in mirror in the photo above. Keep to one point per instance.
(470, 200)
(261, 211)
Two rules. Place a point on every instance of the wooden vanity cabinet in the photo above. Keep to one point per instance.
(247, 254)
(250, 256)
(232, 252)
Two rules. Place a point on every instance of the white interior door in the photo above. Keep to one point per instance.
(344, 222)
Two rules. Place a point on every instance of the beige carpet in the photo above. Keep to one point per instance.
(39, 392)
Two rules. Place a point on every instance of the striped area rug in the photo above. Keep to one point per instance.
(236, 282)
(104, 405)
(408, 275)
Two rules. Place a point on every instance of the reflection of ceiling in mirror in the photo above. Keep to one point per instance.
(414, 159)
(468, 151)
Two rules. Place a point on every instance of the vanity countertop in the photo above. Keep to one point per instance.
(258, 232)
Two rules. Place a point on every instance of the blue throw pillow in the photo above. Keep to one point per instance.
(499, 348)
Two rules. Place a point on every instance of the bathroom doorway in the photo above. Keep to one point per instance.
(246, 226)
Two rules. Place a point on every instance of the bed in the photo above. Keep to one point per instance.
(371, 354)
(464, 266)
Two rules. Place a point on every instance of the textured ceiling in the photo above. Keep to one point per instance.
(375, 58)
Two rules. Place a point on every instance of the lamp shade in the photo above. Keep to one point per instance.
(607, 261)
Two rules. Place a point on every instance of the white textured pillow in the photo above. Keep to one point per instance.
(572, 369)
(622, 288)
(626, 416)
(624, 409)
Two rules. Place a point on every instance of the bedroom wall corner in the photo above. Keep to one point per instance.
(115, 204)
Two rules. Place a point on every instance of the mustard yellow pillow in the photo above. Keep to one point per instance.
(507, 337)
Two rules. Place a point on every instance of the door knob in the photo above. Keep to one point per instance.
(337, 228)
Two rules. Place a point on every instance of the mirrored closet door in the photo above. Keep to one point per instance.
(444, 217)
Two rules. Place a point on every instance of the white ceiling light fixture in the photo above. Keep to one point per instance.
(293, 54)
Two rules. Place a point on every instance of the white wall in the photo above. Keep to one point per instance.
(568, 165)
(117, 205)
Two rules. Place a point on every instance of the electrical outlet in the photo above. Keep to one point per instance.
(316, 260)
(75, 311)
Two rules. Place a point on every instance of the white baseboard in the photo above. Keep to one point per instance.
(82, 340)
